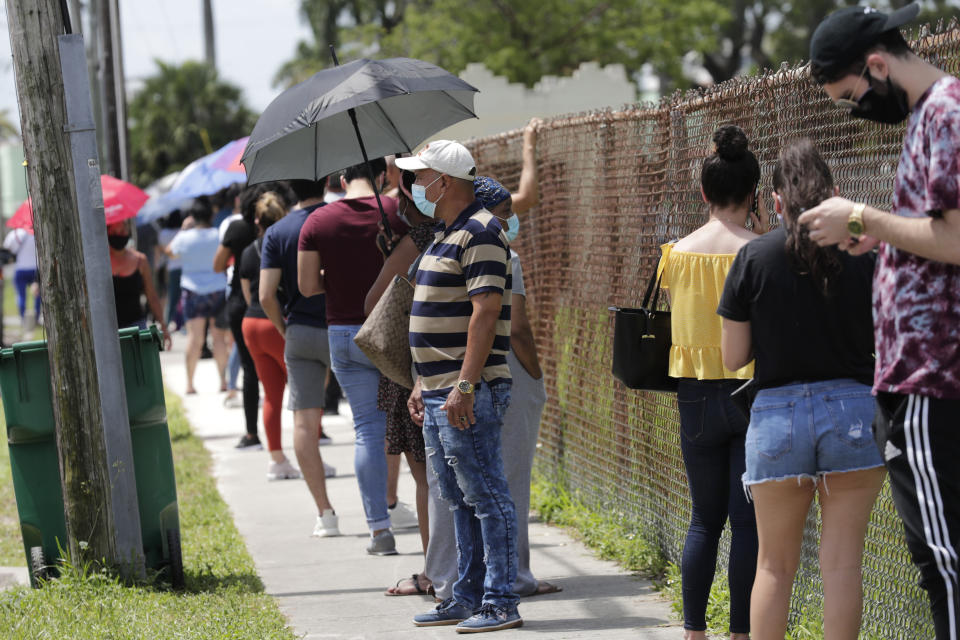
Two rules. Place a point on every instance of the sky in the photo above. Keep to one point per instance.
(253, 38)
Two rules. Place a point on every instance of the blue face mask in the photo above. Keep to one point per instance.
(419, 193)
(513, 227)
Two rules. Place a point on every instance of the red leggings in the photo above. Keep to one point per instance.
(266, 347)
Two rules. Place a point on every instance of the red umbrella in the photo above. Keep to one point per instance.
(121, 200)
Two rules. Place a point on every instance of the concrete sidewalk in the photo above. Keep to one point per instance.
(330, 587)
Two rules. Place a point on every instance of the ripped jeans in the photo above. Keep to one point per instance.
(469, 469)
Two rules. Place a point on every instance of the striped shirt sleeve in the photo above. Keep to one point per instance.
(484, 263)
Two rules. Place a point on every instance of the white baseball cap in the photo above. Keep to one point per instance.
(443, 156)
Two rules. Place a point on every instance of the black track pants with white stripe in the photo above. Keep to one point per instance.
(919, 437)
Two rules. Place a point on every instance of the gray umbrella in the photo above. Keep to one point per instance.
(307, 133)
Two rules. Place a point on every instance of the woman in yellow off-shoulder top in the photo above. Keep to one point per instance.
(712, 428)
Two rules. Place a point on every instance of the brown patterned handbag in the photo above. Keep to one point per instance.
(384, 336)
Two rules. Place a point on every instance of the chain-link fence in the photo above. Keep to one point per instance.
(616, 184)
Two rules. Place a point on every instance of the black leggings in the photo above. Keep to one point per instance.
(251, 384)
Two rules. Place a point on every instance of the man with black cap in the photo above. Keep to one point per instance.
(865, 66)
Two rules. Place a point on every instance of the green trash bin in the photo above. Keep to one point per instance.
(31, 437)
(25, 385)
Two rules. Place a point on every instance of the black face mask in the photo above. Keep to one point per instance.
(118, 242)
(887, 104)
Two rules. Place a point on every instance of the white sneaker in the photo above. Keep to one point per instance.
(329, 471)
(282, 471)
(326, 526)
(233, 402)
(402, 516)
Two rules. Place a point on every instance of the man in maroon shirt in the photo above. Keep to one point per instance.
(338, 256)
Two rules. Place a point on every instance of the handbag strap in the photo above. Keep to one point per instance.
(655, 278)
(655, 291)
(412, 271)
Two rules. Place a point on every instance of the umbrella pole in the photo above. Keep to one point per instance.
(387, 229)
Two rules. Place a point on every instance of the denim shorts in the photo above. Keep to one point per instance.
(197, 305)
(807, 430)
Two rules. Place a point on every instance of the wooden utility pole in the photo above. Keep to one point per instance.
(209, 44)
(63, 173)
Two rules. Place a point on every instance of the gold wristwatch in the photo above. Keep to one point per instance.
(465, 387)
(855, 221)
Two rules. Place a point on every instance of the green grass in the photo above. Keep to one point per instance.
(718, 604)
(223, 598)
(9, 299)
(616, 537)
(613, 535)
(10, 311)
(11, 547)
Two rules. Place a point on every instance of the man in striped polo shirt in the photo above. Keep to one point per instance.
(459, 339)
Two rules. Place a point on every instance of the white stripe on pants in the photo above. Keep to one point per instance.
(930, 502)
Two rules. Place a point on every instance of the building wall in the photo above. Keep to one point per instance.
(502, 105)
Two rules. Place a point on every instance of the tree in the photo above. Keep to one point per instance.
(765, 33)
(521, 39)
(527, 39)
(328, 19)
(180, 114)
(524, 40)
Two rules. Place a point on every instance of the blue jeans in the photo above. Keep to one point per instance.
(233, 367)
(469, 470)
(712, 444)
(23, 278)
(359, 380)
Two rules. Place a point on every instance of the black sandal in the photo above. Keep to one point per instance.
(415, 578)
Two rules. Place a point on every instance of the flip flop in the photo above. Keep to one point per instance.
(414, 581)
(544, 587)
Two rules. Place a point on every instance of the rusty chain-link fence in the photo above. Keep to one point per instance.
(616, 184)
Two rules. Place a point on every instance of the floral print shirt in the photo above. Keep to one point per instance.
(916, 302)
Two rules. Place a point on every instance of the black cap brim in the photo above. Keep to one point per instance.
(902, 16)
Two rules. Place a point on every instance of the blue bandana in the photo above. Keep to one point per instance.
(489, 192)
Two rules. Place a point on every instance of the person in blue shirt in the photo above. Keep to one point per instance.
(302, 321)
(202, 288)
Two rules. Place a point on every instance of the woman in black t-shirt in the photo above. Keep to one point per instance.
(238, 235)
(263, 340)
(804, 313)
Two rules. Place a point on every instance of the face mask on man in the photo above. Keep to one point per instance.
(889, 107)
(419, 193)
(118, 242)
(511, 226)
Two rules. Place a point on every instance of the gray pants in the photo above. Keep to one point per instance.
(521, 425)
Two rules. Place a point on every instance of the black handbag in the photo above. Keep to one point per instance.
(641, 344)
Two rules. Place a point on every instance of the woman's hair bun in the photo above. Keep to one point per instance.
(730, 142)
